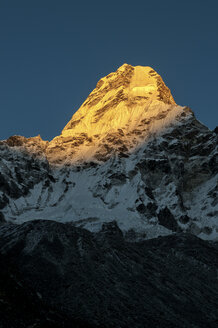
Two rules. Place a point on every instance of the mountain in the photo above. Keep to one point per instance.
(128, 154)
(114, 223)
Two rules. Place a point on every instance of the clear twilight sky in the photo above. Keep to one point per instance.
(52, 53)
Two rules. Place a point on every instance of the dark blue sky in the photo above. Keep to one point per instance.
(52, 53)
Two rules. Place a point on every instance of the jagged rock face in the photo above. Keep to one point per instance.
(22, 166)
(34, 145)
(106, 281)
(129, 154)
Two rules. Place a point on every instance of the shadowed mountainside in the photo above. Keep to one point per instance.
(103, 279)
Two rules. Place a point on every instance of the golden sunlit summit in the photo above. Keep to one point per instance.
(125, 108)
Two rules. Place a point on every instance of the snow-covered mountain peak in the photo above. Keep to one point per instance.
(123, 111)
(134, 157)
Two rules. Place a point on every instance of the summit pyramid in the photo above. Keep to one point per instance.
(126, 108)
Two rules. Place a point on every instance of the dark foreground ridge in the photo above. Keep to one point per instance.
(56, 275)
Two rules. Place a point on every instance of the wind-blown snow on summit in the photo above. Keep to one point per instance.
(128, 154)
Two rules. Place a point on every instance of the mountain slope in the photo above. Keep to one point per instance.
(129, 154)
(22, 306)
(100, 278)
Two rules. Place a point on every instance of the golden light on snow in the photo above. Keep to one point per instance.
(126, 103)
